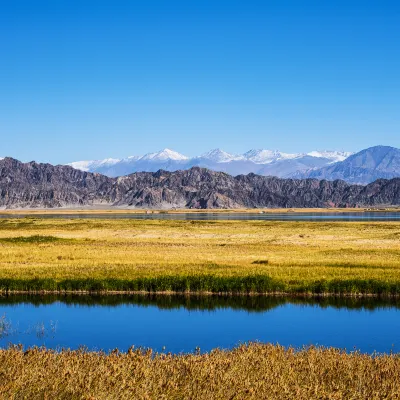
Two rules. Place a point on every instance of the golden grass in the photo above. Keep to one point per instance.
(253, 371)
(295, 253)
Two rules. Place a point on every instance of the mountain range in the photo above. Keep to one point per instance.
(34, 185)
(262, 162)
(361, 168)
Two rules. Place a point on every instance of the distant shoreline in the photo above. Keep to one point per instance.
(113, 210)
(289, 295)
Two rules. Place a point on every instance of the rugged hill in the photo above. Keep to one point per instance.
(44, 185)
(364, 167)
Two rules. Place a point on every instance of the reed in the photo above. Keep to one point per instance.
(250, 284)
(250, 371)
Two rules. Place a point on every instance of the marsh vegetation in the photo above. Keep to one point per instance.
(253, 371)
(200, 256)
(244, 257)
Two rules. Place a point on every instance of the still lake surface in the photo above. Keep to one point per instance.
(206, 216)
(182, 323)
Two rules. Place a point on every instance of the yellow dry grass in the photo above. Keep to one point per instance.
(255, 371)
(292, 252)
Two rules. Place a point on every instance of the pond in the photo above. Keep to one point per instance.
(206, 216)
(182, 323)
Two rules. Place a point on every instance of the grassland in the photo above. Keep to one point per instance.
(253, 371)
(200, 256)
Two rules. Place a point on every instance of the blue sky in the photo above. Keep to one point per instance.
(95, 79)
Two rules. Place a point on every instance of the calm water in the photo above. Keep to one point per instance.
(289, 216)
(182, 323)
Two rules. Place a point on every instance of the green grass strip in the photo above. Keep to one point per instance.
(35, 239)
(204, 283)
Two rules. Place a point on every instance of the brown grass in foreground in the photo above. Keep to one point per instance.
(254, 371)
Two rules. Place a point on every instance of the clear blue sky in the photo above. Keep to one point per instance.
(85, 79)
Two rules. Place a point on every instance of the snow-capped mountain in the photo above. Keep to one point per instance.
(220, 156)
(260, 161)
(363, 167)
(93, 165)
(335, 156)
(260, 156)
(164, 155)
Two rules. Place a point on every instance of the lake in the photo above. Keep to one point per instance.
(289, 216)
(182, 323)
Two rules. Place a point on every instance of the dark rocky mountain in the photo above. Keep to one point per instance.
(44, 185)
(47, 186)
(364, 167)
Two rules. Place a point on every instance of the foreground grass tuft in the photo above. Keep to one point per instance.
(253, 371)
(260, 262)
(35, 239)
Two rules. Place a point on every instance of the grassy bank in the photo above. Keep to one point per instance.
(204, 284)
(254, 371)
(200, 256)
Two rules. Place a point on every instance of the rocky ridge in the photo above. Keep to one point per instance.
(33, 185)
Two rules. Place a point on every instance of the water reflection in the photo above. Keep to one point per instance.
(221, 216)
(253, 303)
(182, 323)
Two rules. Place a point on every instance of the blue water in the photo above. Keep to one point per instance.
(179, 325)
(208, 216)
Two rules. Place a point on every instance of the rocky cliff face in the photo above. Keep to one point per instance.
(47, 186)
(44, 185)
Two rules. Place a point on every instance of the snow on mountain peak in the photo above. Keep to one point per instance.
(262, 156)
(90, 165)
(132, 158)
(164, 155)
(220, 156)
(250, 161)
(335, 156)
(110, 161)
